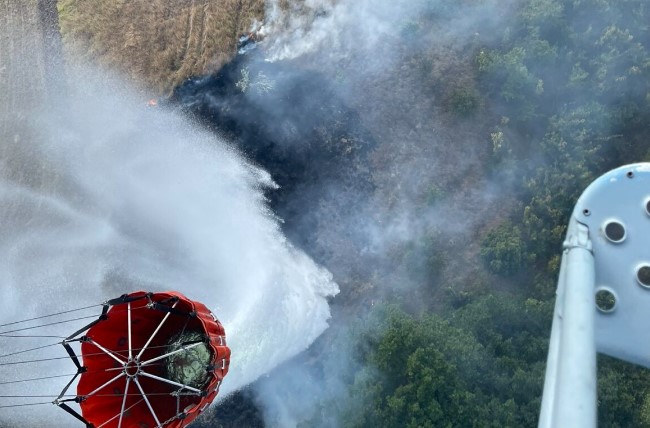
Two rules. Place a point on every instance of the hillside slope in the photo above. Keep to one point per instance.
(157, 43)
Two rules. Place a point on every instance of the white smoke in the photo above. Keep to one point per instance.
(334, 29)
(367, 33)
(138, 198)
(371, 51)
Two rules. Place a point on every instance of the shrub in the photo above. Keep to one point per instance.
(503, 249)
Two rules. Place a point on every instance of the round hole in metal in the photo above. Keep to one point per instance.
(647, 207)
(643, 275)
(605, 300)
(615, 231)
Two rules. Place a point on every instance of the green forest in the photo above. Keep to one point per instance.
(567, 85)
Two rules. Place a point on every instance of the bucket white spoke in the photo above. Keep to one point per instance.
(179, 350)
(155, 331)
(146, 400)
(171, 382)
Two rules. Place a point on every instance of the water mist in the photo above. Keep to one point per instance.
(127, 197)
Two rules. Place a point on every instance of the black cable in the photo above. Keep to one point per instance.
(50, 315)
(32, 336)
(28, 350)
(27, 404)
(28, 396)
(4, 333)
(33, 361)
(40, 378)
(45, 325)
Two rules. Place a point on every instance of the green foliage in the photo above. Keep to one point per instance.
(572, 82)
(623, 394)
(414, 372)
(464, 101)
(469, 371)
(575, 145)
(514, 334)
(587, 113)
(510, 78)
(579, 124)
(503, 249)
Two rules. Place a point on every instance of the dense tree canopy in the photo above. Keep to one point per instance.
(568, 84)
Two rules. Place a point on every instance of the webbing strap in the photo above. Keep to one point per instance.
(74, 413)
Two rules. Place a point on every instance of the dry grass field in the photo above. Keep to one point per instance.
(156, 43)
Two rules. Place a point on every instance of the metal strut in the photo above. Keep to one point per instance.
(73, 412)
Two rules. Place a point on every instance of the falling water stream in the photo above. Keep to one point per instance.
(108, 196)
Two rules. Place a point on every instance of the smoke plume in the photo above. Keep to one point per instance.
(342, 102)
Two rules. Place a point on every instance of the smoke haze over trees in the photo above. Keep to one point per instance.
(431, 159)
(428, 154)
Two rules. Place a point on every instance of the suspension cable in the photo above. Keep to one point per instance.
(48, 324)
(5, 333)
(40, 378)
(32, 335)
(33, 361)
(50, 315)
(26, 404)
(28, 350)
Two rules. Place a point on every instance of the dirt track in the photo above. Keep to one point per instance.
(158, 43)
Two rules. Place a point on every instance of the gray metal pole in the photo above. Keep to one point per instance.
(570, 385)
